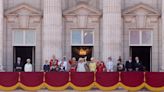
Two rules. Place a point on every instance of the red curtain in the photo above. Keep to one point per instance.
(155, 79)
(31, 79)
(107, 79)
(132, 79)
(57, 79)
(82, 79)
(8, 79)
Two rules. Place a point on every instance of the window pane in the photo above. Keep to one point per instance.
(18, 37)
(134, 37)
(76, 37)
(30, 37)
(146, 37)
(88, 37)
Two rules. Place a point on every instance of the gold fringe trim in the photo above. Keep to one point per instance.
(57, 88)
(106, 88)
(132, 88)
(155, 89)
(31, 88)
(94, 84)
(9, 88)
(81, 88)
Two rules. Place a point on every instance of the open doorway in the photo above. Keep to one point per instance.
(144, 54)
(24, 52)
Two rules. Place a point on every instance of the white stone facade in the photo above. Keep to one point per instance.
(52, 21)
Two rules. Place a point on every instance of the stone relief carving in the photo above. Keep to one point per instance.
(82, 15)
(141, 16)
(23, 16)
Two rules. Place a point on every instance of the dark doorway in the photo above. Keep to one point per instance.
(144, 54)
(82, 51)
(25, 52)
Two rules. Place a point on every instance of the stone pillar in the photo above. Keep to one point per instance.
(162, 62)
(112, 33)
(52, 30)
(1, 34)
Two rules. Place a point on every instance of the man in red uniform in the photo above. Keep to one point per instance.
(54, 63)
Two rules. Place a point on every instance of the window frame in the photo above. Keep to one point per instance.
(140, 38)
(82, 37)
(24, 38)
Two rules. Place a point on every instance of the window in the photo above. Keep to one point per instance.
(134, 37)
(76, 37)
(88, 37)
(146, 37)
(82, 37)
(18, 37)
(24, 38)
(30, 37)
(141, 38)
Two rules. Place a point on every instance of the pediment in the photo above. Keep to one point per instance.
(23, 9)
(141, 9)
(82, 9)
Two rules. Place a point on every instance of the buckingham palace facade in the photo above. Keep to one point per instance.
(38, 29)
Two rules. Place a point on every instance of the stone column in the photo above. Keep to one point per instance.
(1, 34)
(52, 30)
(162, 19)
(112, 33)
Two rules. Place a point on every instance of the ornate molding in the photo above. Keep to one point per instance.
(23, 16)
(141, 16)
(141, 6)
(82, 15)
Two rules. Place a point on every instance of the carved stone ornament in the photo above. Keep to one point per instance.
(141, 16)
(23, 16)
(82, 14)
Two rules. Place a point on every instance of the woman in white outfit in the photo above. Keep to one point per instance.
(28, 66)
(81, 65)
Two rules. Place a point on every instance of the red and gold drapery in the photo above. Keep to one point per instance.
(56, 80)
(82, 80)
(31, 80)
(131, 81)
(107, 80)
(154, 81)
(9, 80)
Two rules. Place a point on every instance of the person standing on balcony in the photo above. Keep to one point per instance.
(46, 66)
(63, 64)
(92, 65)
(81, 65)
(73, 65)
(110, 65)
(100, 67)
(129, 65)
(120, 65)
(28, 66)
(18, 66)
(138, 64)
(54, 60)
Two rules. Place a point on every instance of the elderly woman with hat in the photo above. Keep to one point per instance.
(92, 65)
(81, 65)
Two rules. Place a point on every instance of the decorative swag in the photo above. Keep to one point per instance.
(132, 81)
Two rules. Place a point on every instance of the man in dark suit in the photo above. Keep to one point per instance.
(18, 66)
(129, 65)
(138, 64)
